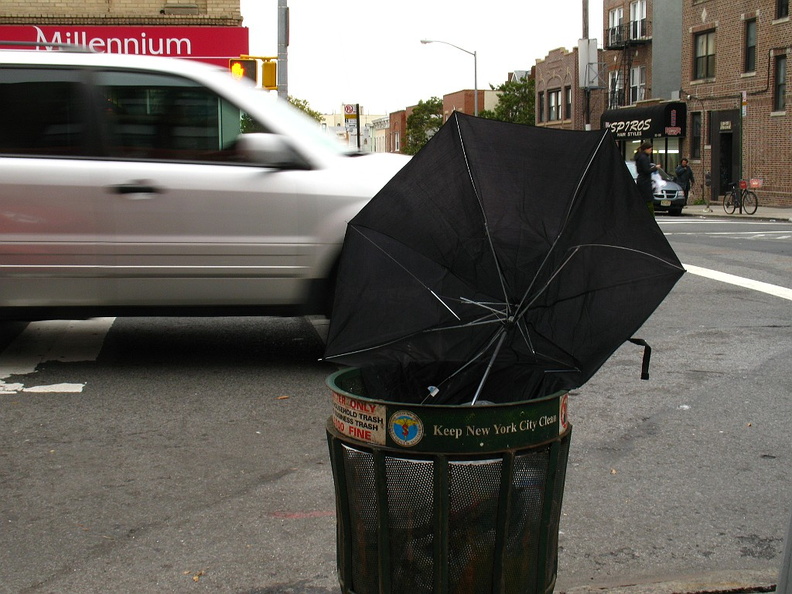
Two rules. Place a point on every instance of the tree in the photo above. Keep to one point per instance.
(425, 119)
(302, 105)
(516, 102)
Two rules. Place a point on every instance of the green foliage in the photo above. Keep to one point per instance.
(425, 119)
(302, 104)
(516, 102)
(248, 124)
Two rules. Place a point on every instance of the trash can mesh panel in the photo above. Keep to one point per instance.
(554, 521)
(529, 479)
(473, 490)
(410, 523)
(363, 512)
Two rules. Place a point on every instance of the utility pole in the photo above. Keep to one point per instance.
(283, 49)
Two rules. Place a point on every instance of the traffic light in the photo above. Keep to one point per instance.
(269, 74)
(244, 68)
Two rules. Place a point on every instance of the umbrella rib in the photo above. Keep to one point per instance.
(435, 295)
(501, 276)
(473, 359)
(574, 250)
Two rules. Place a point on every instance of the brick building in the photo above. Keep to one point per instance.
(122, 12)
(642, 43)
(561, 102)
(740, 113)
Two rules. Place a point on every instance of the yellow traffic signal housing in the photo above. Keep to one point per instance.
(244, 68)
(269, 74)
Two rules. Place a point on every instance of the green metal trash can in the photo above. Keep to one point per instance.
(446, 499)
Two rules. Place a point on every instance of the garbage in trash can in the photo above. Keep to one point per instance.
(434, 498)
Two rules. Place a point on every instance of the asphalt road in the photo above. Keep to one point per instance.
(189, 455)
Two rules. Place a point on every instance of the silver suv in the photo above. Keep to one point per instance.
(138, 185)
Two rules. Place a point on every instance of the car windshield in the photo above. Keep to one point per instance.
(663, 174)
(295, 122)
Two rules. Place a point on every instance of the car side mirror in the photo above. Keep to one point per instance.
(269, 150)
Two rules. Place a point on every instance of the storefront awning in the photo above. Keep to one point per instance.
(652, 121)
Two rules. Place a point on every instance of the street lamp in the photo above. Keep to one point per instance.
(475, 70)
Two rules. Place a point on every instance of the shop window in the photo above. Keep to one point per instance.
(750, 46)
(695, 137)
(779, 87)
(704, 57)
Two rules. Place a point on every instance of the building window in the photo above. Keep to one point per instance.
(568, 103)
(704, 59)
(782, 9)
(553, 105)
(615, 90)
(540, 108)
(637, 84)
(638, 19)
(695, 139)
(750, 46)
(779, 88)
(615, 31)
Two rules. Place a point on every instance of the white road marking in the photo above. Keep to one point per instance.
(57, 340)
(740, 281)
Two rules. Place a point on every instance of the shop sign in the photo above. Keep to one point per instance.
(214, 45)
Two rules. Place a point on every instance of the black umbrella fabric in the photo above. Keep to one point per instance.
(503, 263)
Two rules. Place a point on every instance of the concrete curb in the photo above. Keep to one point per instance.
(726, 582)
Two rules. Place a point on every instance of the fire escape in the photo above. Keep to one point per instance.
(625, 38)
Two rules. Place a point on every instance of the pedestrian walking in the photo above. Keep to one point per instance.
(684, 177)
(645, 168)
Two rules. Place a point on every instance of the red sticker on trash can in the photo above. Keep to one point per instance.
(359, 419)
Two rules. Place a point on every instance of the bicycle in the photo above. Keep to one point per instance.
(740, 198)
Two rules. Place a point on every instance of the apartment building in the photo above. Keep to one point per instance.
(562, 102)
(735, 82)
(642, 46)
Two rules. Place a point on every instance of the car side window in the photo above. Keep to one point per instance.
(42, 112)
(154, 116)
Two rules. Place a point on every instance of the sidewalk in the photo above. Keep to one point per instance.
(774, 213)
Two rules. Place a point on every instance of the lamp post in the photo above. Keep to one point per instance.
(475, 70)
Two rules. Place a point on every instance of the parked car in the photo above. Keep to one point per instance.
(670, 198)
(141, 185)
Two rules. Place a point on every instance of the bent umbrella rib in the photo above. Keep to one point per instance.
(524, 306)
(501, 276)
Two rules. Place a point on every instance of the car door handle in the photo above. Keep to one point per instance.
(137, 187)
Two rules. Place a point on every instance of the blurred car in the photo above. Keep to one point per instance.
(670, 198)
(141, 185)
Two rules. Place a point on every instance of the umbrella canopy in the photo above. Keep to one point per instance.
(503, 262)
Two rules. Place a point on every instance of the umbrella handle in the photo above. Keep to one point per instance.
(489, 367)
(647, 355)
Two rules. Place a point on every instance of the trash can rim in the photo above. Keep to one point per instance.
(331, 382)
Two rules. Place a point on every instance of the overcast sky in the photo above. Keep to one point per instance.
(369, 51)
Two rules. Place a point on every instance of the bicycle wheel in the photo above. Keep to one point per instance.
(730, 202)
(750, 202)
